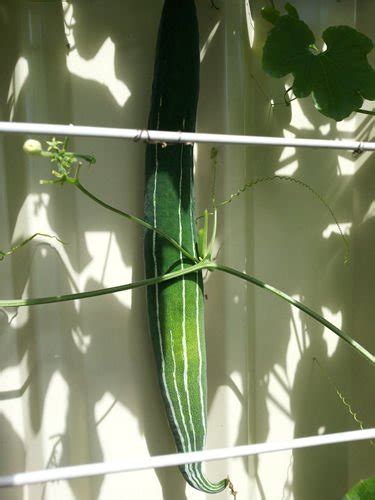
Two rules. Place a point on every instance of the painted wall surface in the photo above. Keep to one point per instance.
(77, 380)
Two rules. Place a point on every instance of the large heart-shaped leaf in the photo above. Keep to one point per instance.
(339, 78)
(364, 490)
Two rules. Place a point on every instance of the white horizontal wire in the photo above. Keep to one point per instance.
(179, 137)
(138, 464)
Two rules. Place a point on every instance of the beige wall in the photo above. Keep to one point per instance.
(77, 381)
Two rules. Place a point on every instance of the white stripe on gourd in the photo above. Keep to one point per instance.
(184, 341)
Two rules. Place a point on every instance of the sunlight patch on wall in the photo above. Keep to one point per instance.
(207, 43)
(349, 124)
(56, 407)
(216, 414)
(17, 81)
(81, 340)
(101, 68)
(237, 379)
(370, 214)
(288, 152)
(279, 390)
(57, 489)
(329, 337)
(56, 400)
(333, 229)
(249, 23)
(117, 429)
(299, 120)
(110, 416)
(33, 216)
(106, 267)
(346, 166)
(279, 467)
(33, 210)
(325, 129)
(289, 170)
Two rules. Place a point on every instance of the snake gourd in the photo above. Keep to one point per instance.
(176, 308)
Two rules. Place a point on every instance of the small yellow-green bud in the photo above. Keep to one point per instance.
(32, 147)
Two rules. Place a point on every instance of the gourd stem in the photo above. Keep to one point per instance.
(213, 236)
(132, 218)
(354, 344)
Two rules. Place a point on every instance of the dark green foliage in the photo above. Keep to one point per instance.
(364, 490)
(339, 78)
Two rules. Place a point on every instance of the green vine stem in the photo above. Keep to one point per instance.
(353, 343)
(211, 266)
(103, 291)
(133, 218)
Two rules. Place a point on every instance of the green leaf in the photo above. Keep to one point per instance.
(270, 14)
(339, 78)
(291, 10)
(287, 47)
(364, 490)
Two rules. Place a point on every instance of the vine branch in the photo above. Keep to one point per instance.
(133, 218)
(211, 266)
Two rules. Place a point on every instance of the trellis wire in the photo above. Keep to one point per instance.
(156, 462)
(180, 137)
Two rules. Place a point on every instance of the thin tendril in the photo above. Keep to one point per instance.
(345, 402)
(214, 154)
(25, 242)
(258, 180)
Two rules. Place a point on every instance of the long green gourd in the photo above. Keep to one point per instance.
(176, 308)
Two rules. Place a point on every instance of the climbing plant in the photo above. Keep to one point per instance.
(176, 252)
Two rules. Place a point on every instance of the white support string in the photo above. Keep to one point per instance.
(138, 464)
(179, 137)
